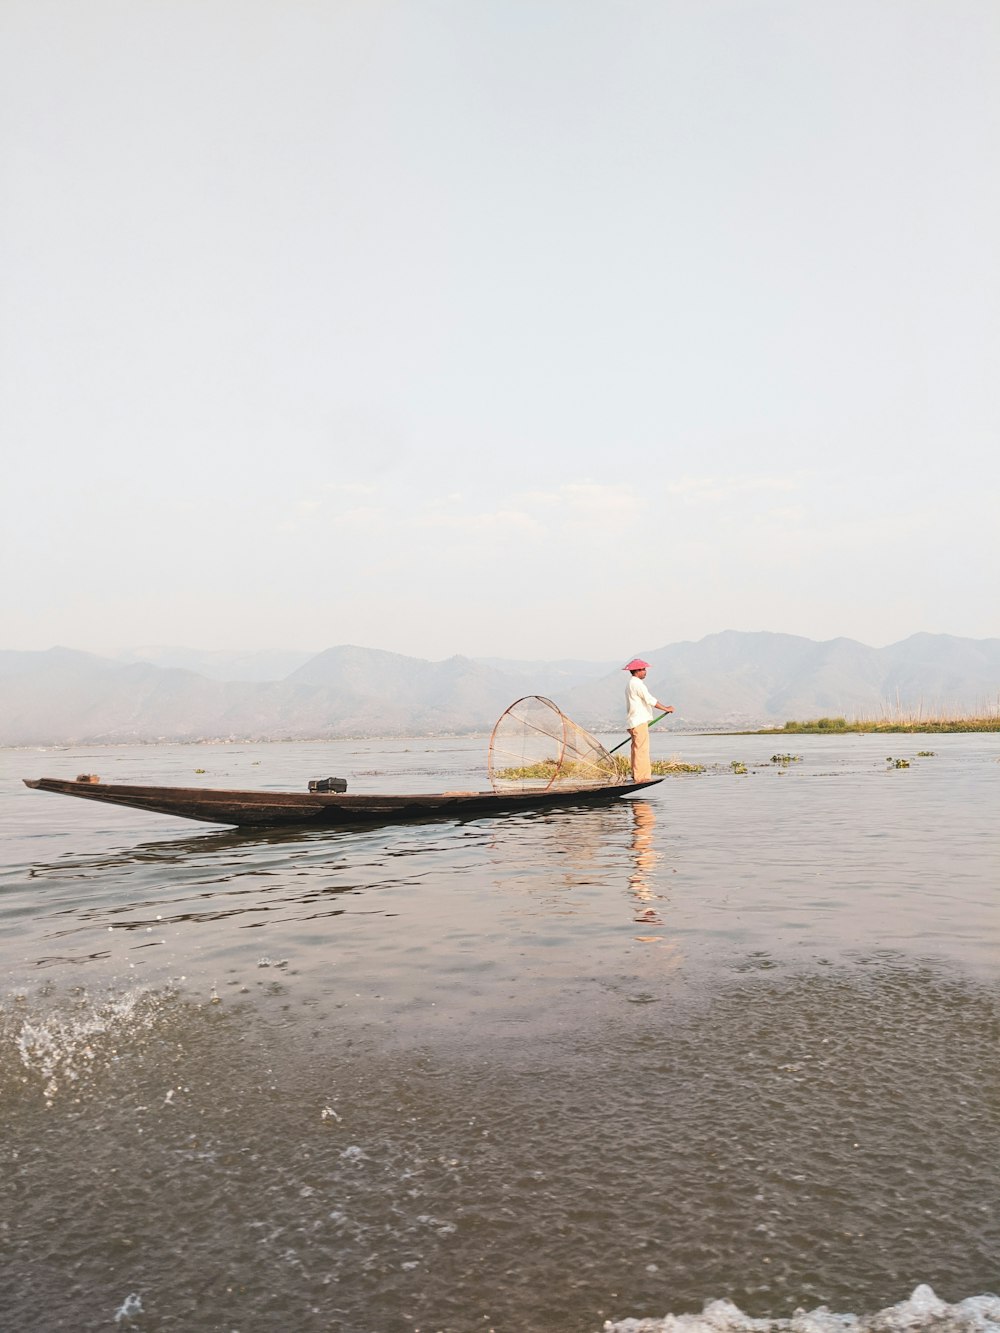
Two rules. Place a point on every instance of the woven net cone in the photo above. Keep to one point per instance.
(535, 746)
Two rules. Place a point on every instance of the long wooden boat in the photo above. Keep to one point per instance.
(269, 809)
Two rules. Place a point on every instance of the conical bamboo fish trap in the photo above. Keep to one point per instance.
(535, 746)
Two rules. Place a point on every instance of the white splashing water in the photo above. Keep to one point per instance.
(922, 1311)
(59, 1048)
(130, 1308)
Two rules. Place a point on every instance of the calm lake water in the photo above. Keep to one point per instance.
(736, 1038)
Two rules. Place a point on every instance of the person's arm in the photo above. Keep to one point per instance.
(655, 703)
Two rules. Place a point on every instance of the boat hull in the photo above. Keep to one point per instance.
(267, 809)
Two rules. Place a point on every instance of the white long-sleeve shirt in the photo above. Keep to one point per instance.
(640, 705)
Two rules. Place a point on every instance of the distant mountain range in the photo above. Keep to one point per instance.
(726, 681)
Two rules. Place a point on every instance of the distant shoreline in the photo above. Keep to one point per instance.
(824, 726)
(483, 735)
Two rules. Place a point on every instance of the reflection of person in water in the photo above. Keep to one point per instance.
(644, 857)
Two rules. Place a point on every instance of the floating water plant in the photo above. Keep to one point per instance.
(737, 767)
(786, 758)
(664, 767)
(547, 768)
(897, 763)
(925, 754)
(660, 768)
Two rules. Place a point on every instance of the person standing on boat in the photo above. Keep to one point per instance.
(640, 706)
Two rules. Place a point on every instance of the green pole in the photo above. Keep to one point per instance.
(628, 738)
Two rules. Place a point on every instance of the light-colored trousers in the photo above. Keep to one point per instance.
(641, 770)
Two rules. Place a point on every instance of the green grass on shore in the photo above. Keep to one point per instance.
(826, 726)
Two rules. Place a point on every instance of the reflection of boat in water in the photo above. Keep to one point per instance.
(270, 809)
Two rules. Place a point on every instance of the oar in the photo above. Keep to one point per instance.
(628, 738)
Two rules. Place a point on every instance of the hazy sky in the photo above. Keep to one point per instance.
(532, 328)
